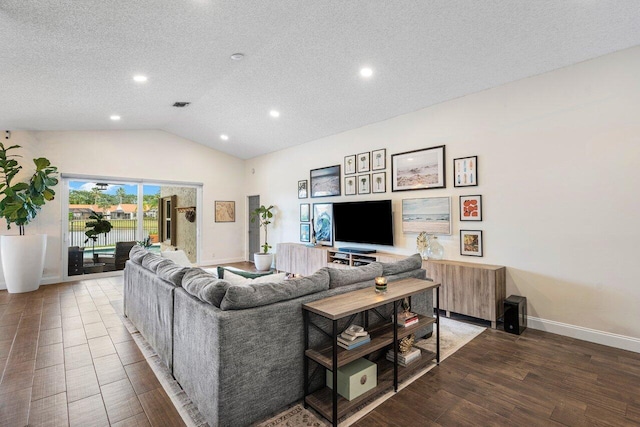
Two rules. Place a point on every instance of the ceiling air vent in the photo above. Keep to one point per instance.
(181, 104)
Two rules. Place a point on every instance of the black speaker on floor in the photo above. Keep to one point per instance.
(515, 314)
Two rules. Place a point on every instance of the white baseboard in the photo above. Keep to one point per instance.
(592, 335)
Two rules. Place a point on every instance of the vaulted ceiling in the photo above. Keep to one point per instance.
(69, 64)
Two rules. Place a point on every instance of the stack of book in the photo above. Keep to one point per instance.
(407, 318)
(406, 358)
(352, 337)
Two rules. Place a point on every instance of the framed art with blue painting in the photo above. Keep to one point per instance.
(323, 223)
(465, 172)
(305, 232)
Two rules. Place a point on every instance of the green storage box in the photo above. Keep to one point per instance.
(355, 378)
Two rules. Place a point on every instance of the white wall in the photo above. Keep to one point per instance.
(559, 170)
(151, 155)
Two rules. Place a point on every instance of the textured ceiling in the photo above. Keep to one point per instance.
(68, 64)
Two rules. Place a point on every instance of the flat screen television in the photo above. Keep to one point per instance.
(364, 222)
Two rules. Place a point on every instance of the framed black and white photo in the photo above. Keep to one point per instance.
(379, 182)
(471, 208)
(418, 170)
(471, 242)
(364, 162)
(364, 184)
(303, 192)
(350, 164)
(305, 214)
(350, 186)
(323, 223)
(305, 232)
(325, 182)
(465, 172)
(379, 160)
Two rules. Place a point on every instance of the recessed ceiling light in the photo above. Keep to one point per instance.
(366, 72)
(237, 56)
(140, 78)
(224, 137)
(274, 113)
(115, 118)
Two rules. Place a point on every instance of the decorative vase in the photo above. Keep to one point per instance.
(23, 261)
(262, 261)
(434, 249)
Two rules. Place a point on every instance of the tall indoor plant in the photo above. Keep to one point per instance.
(97, 225)
(263, 215)
(23, 256)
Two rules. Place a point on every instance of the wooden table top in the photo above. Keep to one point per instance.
(339, 306)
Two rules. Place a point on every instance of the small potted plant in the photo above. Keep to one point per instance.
(263, 215)
(23, 256)
(97, 226)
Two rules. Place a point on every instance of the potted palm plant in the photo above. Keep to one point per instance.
(22, 255)
(263, 215)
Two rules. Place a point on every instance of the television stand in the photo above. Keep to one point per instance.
(357, 250)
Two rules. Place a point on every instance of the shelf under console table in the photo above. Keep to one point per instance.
(326, 400)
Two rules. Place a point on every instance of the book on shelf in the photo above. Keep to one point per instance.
(356, 340)
(407, 318)
(354, 331)
(354, 344)
(406, 358)
(348, 337)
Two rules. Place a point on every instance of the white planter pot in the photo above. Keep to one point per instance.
(262, 261)
(23, 261)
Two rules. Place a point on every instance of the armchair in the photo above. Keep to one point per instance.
(119, 257)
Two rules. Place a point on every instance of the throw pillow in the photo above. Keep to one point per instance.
(179, 257)
(236, 279)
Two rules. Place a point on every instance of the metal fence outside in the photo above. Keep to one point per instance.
(124, 230)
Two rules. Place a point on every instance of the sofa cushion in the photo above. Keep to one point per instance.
(137, 253)
(236, 279)
(411, 263)
(179, 257)
(204, 286)
(341, 277)
(152, 261)
(257, 295)
(171, 272)
(238, 272)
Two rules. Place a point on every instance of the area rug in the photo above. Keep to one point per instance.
(453, 336)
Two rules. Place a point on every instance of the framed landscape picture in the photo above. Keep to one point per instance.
(379, 182)
(325, 182)
(418, 170)
(471, 242)
(305, 232)
(471, 208)
(303, 191)
(364, 162)
(364, 184)
(323, 223)
(379, 160)
(431, 215)
(225, 211)
(350, 164)
(465, 172)
(350, 185)
(305, 215)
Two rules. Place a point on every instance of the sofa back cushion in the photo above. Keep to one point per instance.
(343, 277)
(137, 253)
(171, 272)
(152, 261)
(257, 295)
(411, 263)
(204, 286)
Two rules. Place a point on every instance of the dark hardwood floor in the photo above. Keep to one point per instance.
(67, 359)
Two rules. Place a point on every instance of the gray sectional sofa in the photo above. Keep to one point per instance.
(237, 350)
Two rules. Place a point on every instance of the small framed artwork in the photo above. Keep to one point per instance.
(364, 184)
(430, 214)
(364, 162)
(379, 182)
(418, 170)
(305, 232)
(471, 208)
(471, 242)
(323, 223)
(465, 171)
(325, 182)
(304, 212)
(225, 211)
(303, 191)
(350, 164)
(349, 185)
(379, 160)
